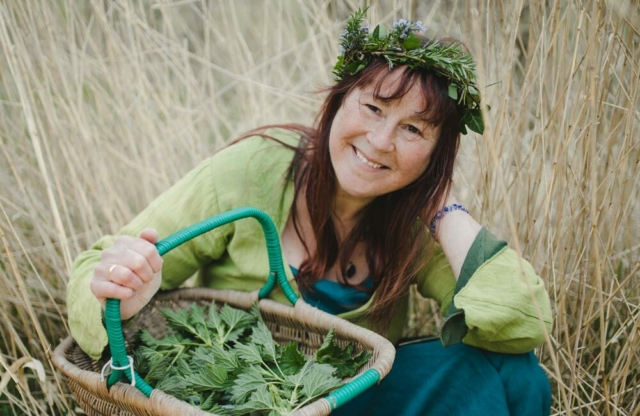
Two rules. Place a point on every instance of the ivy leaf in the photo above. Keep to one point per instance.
(472, 119)
(291, 360)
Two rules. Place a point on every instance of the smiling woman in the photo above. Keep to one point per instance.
(354, 199)
(377, 145)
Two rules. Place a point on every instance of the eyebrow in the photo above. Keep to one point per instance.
(418, 118)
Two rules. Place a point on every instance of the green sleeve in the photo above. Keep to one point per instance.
(499, 303)
(190, 200)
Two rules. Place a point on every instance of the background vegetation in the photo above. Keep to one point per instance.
(105, 103)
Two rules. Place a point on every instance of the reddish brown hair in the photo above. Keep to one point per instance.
(391, 225)
(388, 225)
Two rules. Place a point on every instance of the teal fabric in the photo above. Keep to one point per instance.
(484, 247)
(335, 298)
(429, 379)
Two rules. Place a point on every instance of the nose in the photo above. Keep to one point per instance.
(382, 136)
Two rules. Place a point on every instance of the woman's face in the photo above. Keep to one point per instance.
(379, 147)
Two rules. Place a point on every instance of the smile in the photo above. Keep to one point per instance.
(367, 161)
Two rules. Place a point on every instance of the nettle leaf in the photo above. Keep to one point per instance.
(249, 353)
(174, 385)
(196, 315)
(246, 383)
(319, 380)
(291, 360)
(260, 400)
(343, 359)
(181, 366)
(236, 317)
(255, 312)
(202, 356)
(178, 319)
(211, 377)
(213, 320)
(262, 336)
(228, 359)
(160, 370)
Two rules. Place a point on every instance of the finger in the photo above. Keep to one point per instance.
(124, 277)
(149, 234)
(151, 257)
(103, 289)
(149, 251)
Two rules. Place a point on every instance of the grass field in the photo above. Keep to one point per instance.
(105, 103)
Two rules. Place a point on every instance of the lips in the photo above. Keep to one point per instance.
(366, 161)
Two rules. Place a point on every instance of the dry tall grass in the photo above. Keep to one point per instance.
(105, 103)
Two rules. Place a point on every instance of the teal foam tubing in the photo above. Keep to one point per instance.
(112, 310)
(353, 388)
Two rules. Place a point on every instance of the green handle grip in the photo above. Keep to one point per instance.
(113, 322)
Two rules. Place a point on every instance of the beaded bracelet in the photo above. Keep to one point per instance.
(441, 213)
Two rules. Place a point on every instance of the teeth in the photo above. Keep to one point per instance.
(367, 161)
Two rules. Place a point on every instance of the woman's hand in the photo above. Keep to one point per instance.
(129, 271)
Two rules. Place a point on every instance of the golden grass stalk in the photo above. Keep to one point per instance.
(104, 104)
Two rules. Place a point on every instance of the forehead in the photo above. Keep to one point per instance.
(397, 87)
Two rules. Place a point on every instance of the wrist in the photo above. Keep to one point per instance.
(442, 212)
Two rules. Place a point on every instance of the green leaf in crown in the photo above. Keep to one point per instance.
(400, 46)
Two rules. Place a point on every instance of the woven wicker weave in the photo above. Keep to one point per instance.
(302, 323)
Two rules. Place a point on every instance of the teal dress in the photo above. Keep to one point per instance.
(429, 379)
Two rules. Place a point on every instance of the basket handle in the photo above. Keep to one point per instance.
(120, 362)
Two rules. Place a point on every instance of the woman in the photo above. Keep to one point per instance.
(363, 207)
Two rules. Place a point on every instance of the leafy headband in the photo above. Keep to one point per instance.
(400, 46)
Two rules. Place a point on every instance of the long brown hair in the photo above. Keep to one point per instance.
(388, 226)
(394, 227)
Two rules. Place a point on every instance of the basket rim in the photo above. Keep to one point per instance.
(159, 401)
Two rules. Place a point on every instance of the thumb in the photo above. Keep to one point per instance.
(149, 234)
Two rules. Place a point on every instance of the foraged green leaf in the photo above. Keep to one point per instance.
(260, 400)
(291, 360)
(343, 359)
(177, 319)
(246, 383)
(319, 380)
(262, 336)
(249, 353)
(236, 318)
(229, 364)
(211, 377)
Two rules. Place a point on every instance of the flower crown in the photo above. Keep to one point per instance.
(400, 46)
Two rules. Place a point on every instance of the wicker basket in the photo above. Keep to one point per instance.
(303, 324)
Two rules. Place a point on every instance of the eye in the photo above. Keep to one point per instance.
(414, 130)
(373, 108)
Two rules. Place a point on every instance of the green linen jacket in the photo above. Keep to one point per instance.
(500, 304)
